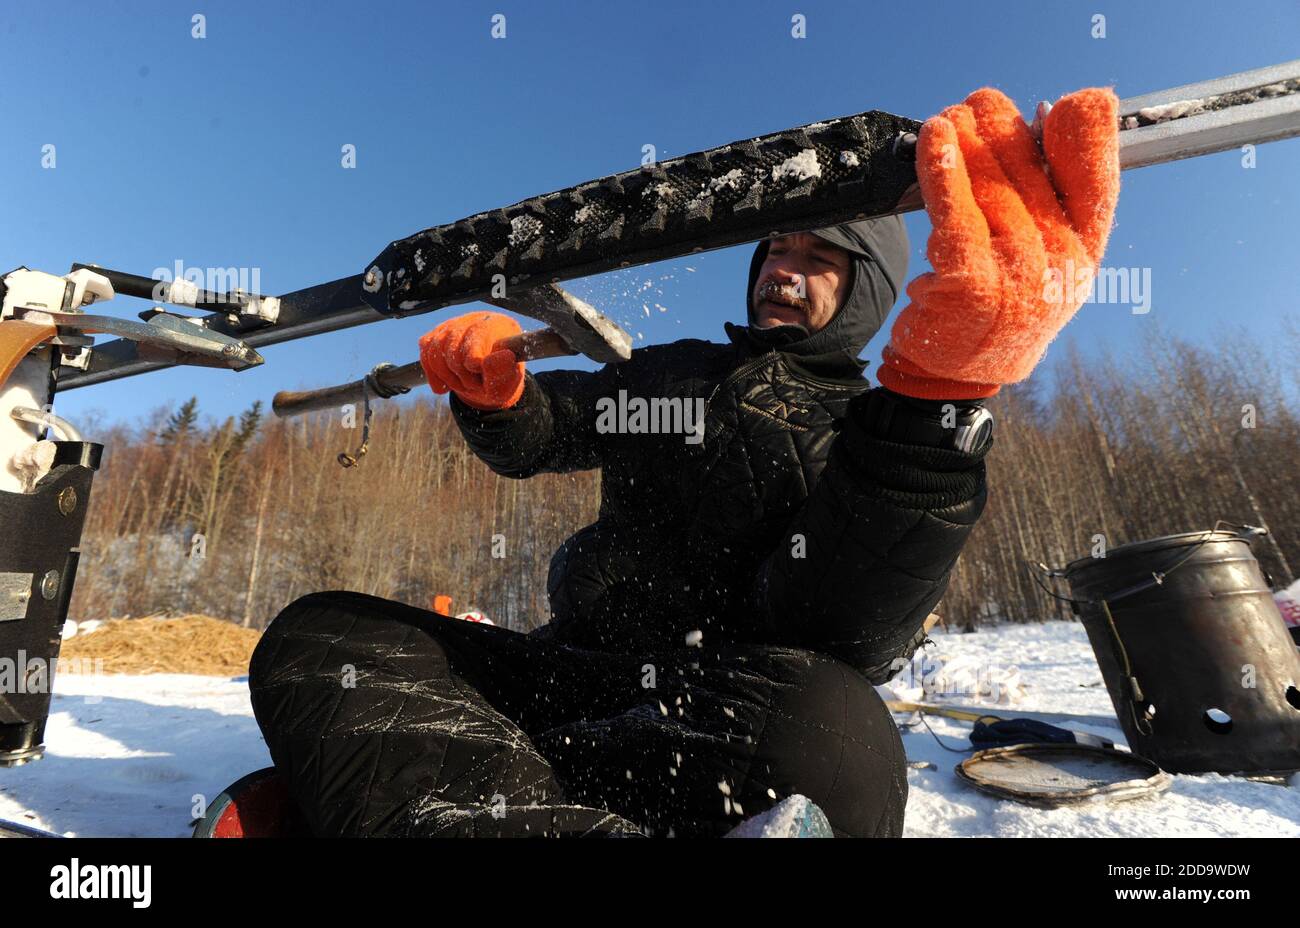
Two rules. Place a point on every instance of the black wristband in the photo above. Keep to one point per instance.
(960, 425)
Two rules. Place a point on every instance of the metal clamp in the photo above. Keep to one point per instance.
(186, 339)
(371, 384)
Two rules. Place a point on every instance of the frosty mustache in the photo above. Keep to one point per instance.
(782, 293)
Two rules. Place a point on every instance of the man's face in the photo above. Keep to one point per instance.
(802, 281)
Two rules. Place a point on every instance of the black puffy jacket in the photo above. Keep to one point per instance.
(789, 523)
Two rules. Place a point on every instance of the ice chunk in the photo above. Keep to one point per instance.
(800, 167)
(794, 817)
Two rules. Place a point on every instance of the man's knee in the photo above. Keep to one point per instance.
(337, 613)
(830, 736)
(283, 641)
(334, 627)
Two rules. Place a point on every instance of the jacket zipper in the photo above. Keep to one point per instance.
(732, 378)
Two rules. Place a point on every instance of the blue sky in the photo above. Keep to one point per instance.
(225, 151)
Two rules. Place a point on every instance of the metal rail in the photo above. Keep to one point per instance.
(1250, 108)
(312, 311)
(1253, 107)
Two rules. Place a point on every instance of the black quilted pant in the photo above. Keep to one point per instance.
(391, 720)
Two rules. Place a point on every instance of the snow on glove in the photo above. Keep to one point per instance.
(458, 356)
(1015, 243)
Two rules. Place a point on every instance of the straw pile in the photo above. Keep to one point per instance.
(196, 644)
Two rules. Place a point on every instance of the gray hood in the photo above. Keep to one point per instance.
(879, 251)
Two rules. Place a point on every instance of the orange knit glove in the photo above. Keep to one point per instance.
(458, 356)
(1015, 243)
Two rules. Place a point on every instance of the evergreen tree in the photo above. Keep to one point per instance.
(249, 420)
(180, 424)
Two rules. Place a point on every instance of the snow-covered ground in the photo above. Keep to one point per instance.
(1060, 674)
(130, 755)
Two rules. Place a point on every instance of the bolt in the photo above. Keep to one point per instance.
(905, 146)
(67, 500)
(50, 584)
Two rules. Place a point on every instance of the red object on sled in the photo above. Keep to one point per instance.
(254, 806)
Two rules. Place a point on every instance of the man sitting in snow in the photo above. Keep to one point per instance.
(716, 632)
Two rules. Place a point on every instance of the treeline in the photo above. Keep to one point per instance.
(1168, 440)
(237, 519)
(205, 520)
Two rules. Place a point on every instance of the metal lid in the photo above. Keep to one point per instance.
(1058, 774)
